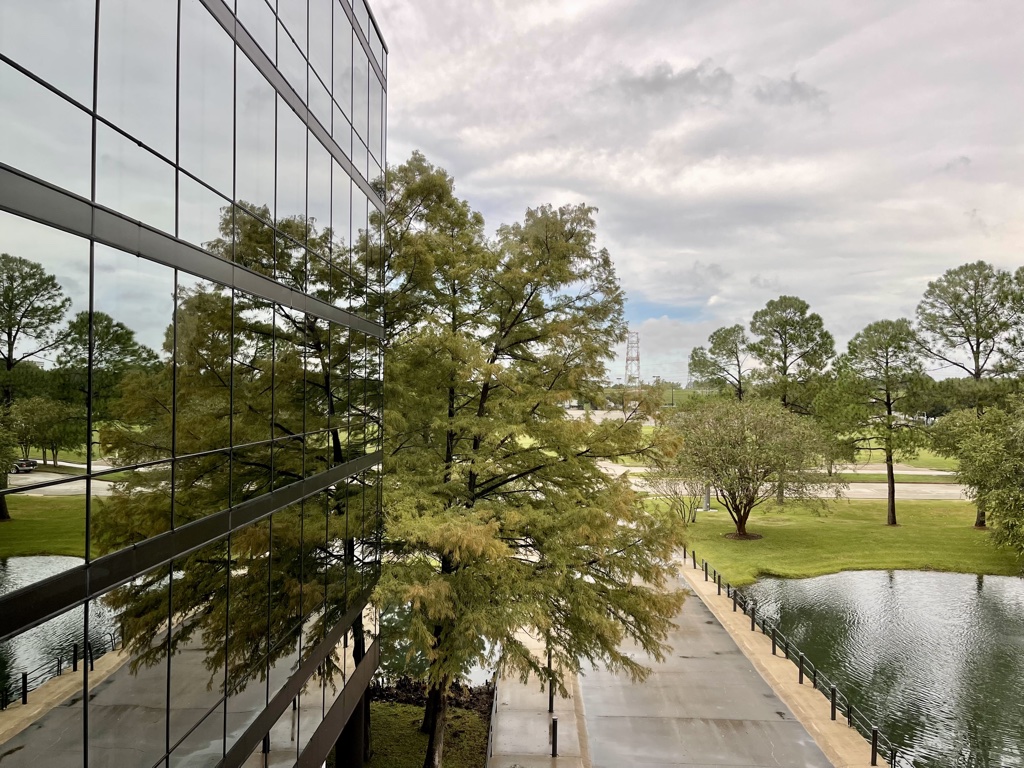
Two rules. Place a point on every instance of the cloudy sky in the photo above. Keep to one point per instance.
(737, 150)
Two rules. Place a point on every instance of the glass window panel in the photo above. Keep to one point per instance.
(291, 168)
(360, 90)
(254, 129)
(132, 342)
(204, 217)
(284, 739)
(287, 582)
(55, 734)
(202, 343)
(254, 241)
(360, 157)
(291, 62)
(341, 219)
(137, 62)
(251, 473)
(311, 707)
(63, 56)
(377, 47)
(320, 101)
(290, 257)
(360, 237)
(248, 633)
(201, 486)
(289, 372)
(133, 181)
(342, 86)
(339, 554)
(376, 129)
(134, 695)
(318, 450)
(44, 135)
(129, 506)
(341, 132)
(204, 746)
(199, 604)
(318, 204)
(320, 37)
(252, 372)
(340, 386)
(362, 15)
(293, 14)
(318, 359)
(288, 466)
(206, 97)
(259, 21)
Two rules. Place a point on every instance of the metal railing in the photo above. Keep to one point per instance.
(841, 706)
(18, 687)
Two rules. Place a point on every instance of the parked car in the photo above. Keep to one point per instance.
(23, 465)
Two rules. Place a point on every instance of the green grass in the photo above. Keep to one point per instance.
(43, 525)
(926, 459)
(398, 743)
(850, 535)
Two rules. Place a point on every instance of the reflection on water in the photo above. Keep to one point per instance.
(40, 646)
(936, 659)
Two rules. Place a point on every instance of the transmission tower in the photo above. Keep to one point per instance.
(633, 361)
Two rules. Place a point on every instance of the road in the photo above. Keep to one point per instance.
(71, 488)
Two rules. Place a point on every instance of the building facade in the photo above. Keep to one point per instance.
(190, 352)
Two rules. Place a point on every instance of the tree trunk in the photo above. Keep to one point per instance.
(435, 745)
(890, 479)
(430, 711)
(979, 521)
(4, 514)
(741, 525)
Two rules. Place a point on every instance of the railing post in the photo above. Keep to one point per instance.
(705, 570)
(24, 687)
(693, 554)
(774, 639)
(719, 580)
(801, 665)
(753, 617)
(892, 755)
(814, 677)
(92, 659)
(3, 698)
(734, 601)
(74, 658)
(728, 589)
(551, 685)
(832, 691)
(874, 745)
(849, 713)
(554, 737)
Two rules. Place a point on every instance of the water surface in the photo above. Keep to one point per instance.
(935, 659)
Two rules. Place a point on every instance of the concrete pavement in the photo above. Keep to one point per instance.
(704, 705)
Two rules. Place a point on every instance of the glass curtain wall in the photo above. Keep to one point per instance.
(190, 377)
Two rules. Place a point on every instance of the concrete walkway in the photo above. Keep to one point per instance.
(704, 705)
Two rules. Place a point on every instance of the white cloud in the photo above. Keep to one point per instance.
(737, 149)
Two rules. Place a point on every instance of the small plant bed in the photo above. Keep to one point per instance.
(799, 542)
(396, 712)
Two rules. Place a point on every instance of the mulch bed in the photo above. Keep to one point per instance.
(406, 690)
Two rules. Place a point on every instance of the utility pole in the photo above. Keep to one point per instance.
(632, 365)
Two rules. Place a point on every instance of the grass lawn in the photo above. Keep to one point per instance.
(851, 535)
(398, 743)
(44, 525)
(926, 459)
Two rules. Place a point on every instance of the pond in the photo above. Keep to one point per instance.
(36, 650)
(935, 659)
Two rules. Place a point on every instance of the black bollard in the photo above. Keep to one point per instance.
(775, 641)
(814, 677)
(801, 665)
(693, 554)
(705, 570)
(719, 583)
(832, 691)
(892, 755)
(24, 687)
(554, 737)
(874, 745)
(551, 686)
(74, 658)
(753, 617)
(734, 601)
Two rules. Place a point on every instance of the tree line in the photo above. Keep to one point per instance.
(877, 393)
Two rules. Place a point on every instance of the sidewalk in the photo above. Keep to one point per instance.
(521, 725)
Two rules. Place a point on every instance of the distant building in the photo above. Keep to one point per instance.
(190, 321)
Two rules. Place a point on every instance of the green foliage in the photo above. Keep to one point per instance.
(498, 516)
(990, 451)
(793, 346)
(724, 362)
(874, 394)
(50, 425)
(746, 450)
(32, 309)
(965, 317)
(799, 541)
